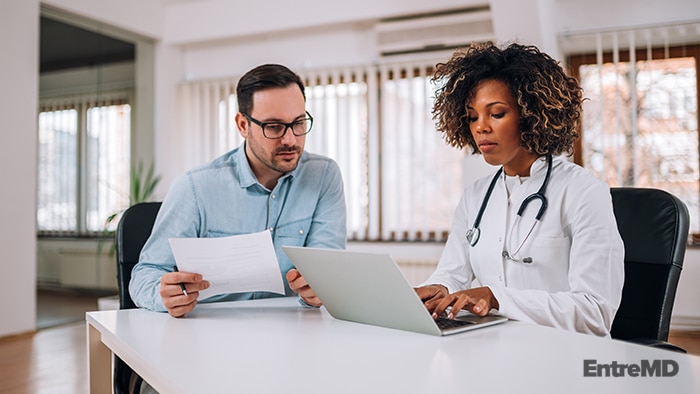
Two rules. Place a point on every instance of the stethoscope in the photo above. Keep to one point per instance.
(474, 233)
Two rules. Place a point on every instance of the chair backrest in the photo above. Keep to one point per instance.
(653, 225)
(132, 232)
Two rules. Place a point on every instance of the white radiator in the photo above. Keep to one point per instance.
(85, 268)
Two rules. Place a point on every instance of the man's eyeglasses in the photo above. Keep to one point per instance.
(276, 130)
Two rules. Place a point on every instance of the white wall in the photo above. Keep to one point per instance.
(19, 44)
(525, 21)
(309, 48)
(137, 16)
(191, 22)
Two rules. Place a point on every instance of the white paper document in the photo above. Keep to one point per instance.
(235, 264)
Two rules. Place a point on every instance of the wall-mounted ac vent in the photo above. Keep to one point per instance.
(432, 32)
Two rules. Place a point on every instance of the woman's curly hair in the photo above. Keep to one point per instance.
(549, 99)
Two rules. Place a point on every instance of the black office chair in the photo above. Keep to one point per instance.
(654, 228)
(132, 232)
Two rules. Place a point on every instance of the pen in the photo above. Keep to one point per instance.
(182, 285)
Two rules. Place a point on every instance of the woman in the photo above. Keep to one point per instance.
(559, 261)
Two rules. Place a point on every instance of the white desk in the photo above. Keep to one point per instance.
(275, 346)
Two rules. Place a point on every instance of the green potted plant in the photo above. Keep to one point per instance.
(141, 190)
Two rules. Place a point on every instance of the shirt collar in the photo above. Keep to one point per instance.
(245, 173)
(537, 166)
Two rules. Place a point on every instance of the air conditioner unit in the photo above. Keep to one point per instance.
(423, 33)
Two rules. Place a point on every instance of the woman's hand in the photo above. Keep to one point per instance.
(431, 296)
(431, 292)
(478, 301)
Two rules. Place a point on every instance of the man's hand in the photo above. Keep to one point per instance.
(298, 285)
(174, 299)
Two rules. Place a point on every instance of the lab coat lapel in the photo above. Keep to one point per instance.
(493, 226)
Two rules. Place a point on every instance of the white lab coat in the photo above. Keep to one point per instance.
(575, 279)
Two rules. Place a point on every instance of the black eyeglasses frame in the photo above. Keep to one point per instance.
(287, 126)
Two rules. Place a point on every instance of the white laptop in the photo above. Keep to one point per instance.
(370, 288)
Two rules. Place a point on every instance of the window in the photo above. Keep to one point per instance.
(84, 163)
(640, 123)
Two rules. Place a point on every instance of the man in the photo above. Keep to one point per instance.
(269, 182)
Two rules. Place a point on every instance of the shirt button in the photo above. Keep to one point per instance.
(301, 232)
(272, 196)
(500, 278)
(271, 229)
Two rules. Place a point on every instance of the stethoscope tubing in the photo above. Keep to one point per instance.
(474, 233)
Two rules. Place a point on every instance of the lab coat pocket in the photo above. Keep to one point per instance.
(550, 253)
(549, 269)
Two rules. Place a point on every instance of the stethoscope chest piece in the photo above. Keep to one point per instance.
(473, 235)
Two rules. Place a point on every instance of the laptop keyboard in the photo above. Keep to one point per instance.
(445, 323)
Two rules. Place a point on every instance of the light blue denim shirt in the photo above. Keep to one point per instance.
(223, 198)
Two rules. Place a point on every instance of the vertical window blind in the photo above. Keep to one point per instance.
(402, 181)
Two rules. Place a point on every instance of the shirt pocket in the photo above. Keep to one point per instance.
(221, 234)
(294, 233)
